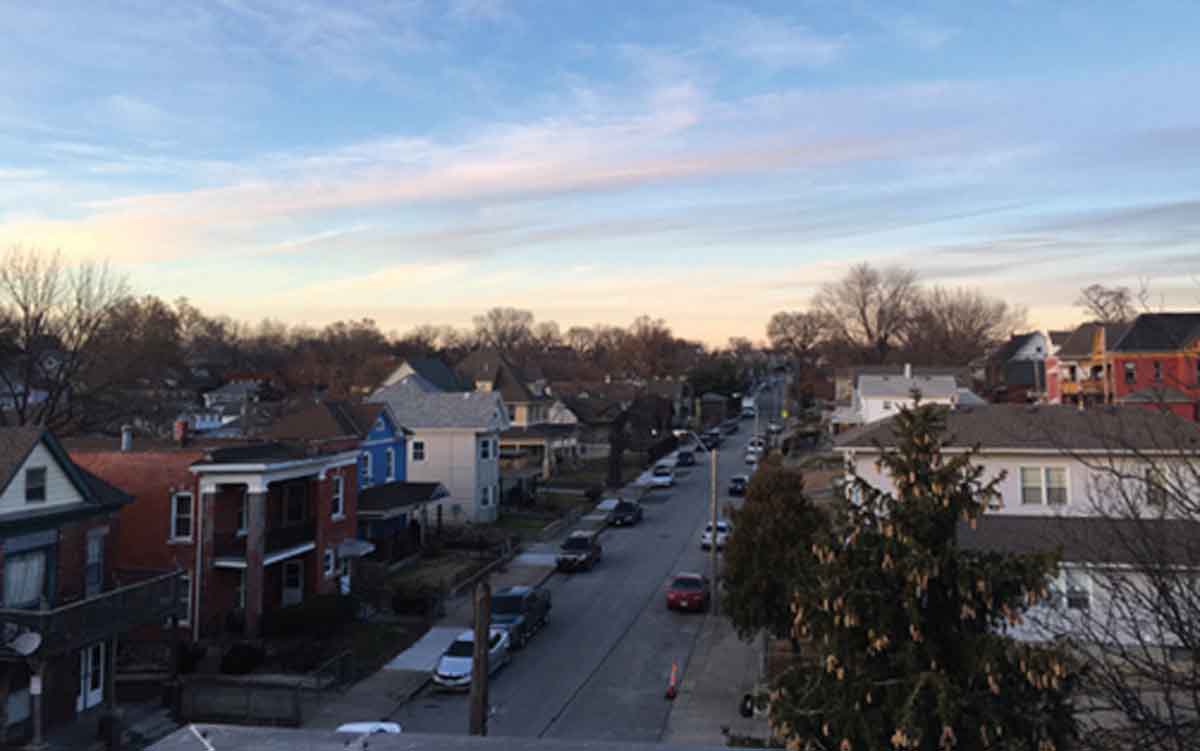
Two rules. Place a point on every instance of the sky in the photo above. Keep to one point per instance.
(416, 161)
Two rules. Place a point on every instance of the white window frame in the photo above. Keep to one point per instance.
(368, 469)
(243, 514)
(329, 563)
(418, 456)
(1156, 489)
(337, 502)
(485, 450)
(1062, 587)
(185, 584)
(485, 497)
(28, 486)
(1043, 486)
(390, 453)
(191, 516)
(1066, 485)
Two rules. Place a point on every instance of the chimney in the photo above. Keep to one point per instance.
(181, 432)
(126, 438)
(907, 371)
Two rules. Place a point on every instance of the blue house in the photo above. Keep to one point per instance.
(383, 451)
(381, 440)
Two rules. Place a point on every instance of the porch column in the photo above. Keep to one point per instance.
(37, 669)
(256, 543)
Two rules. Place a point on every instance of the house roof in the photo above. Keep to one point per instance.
(1009, 349)
(897, 386)
(490, 366)
(328, 419)
(1156, 395)
(1078, 345)
(15, 446)
(395, 495)
(17, 443)
(256, 453)
(1059, 336)
(1014, 427)
(416, 409)
(1095, 540)
(962, 375)
(436, 372)
(1160, 332)
(541, 430)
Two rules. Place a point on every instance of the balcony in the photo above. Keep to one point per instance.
(151, 599)
(232, 545)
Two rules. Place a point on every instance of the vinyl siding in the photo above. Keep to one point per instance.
(59, 489)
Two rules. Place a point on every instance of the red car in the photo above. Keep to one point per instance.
(688, 592)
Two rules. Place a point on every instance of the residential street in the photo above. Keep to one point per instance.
(600, 669)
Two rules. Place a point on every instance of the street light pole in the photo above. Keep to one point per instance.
(712, 555)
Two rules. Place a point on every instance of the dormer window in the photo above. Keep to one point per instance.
(35, 485)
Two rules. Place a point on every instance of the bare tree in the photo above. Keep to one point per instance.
(1110, 304)
(546, 336)
(796, 334)
(868, 309)
(956, 326)
(51, 319)
(582, 340)
(509, 330)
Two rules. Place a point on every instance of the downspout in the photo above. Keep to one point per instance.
(197, 575)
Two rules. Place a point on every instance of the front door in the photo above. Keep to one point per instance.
(91, 677)
(293, 582)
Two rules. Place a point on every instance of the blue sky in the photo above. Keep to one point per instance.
(710, 163)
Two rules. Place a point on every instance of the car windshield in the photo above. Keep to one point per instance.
(507, 605)
(577, 543)
(686, 582)
(738, 481)
(461, 649)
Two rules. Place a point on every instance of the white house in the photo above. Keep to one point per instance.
(1095, 484)
(455, 441)
(878, 396)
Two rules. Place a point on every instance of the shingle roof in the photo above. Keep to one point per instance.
(1157, 395)
(1059, 336)
(1006, 351)
(931, 387)
(1079, 344)
(489, 366)
(394, 495)
(436, 372)
(415, 408)
(1095, 540)
(1159, 332)
(256, 453)
(15, 445)
(543, 430)
(1048, 427)
(329, 419)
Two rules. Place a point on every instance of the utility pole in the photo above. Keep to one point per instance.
(479, 659)
(712, 560)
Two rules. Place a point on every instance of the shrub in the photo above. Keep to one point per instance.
(322, 616)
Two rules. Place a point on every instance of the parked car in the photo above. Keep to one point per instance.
(608, 508)
(579, 550)
(688, 591)
(737, 484)
(627, 513)
(730, 427)
(370, 728)
(522, 611)
(685, 459)
(758, 443)
(724, 529)
(662, 476)
(712, 438)
(752, 456)
(453, 671)
(774, 427)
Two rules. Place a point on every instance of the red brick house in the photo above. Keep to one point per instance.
(65, 604)
(1157, 363)
(256, 526)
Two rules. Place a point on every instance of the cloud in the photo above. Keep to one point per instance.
(489, 11)
(774, 43)
(920, 32)
(132, 114)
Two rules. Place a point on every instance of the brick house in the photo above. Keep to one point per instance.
(256, 526)
(65, 604)
(1157, 363)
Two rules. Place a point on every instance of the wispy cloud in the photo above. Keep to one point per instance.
(489, 11)
(775, 43)
(914, 30)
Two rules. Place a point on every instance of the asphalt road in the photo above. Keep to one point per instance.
(600, 668)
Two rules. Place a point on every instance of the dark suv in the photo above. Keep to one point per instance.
(627, 513)
(685, 459)
(579, 550)
(521, 611)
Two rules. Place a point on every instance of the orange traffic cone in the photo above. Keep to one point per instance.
(672, 685)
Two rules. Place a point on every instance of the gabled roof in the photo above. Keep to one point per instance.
(1095, 540)
(436, 372)
(415, 408)
(1059, 336)
(1078, 345)
(1013, 427)
(17, 443)
(490, 366)
(397, 495)
(1009, 349)
(899, 387)
(1159, 332)
(327, 420)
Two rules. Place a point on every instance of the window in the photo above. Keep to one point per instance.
(185, 598)
(367, 468)
(485, 496)
(339, 497)
(391, 464)
(329, 562)
(1056, 486)
(485, 449)
(1072, 374)
(418, 451)
(1156, 489)
(35, 484)
(243, 510)
(24, 578)
(93, 571)
(1130, 373)
(1031, 485)
(512, 413)
(887, 405)
(181, 516)
(1157, 371)
(293, 504)
(1073, 589)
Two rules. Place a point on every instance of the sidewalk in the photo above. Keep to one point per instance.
(380, 695)
(721, 670)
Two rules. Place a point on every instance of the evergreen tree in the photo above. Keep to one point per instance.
(909, 631)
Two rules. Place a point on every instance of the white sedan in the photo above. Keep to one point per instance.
(724, 529)
(453, 671)
(662, 477)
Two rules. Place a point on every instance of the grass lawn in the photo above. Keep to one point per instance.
(373, 644)
(434, 572)
(526, 527)
(595, 472)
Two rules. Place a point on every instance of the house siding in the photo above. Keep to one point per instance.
(383, 435)
(452, 458)
(60, 491)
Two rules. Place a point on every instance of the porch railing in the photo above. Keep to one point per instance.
(278, 537)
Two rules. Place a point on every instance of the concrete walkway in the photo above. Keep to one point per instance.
(721, 670)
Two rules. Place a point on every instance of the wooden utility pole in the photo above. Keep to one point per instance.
(479, 660)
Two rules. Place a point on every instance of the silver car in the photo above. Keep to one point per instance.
(453, 671)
